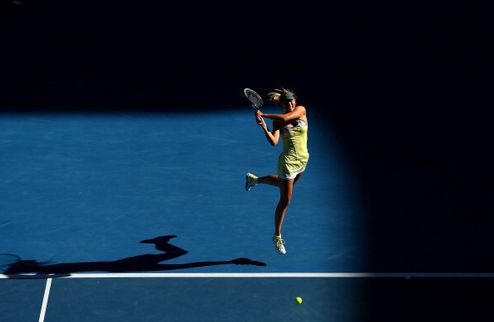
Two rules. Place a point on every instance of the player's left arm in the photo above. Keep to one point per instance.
(297, 113)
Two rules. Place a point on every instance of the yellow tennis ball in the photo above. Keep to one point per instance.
(298, 299)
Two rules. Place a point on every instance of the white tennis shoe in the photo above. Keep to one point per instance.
(250, 181)
(279, 244)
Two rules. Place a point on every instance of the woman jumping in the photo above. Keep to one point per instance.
(293, 127)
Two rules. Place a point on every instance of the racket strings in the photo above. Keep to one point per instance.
(254, 98)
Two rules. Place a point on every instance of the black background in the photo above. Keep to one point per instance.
(403, 86)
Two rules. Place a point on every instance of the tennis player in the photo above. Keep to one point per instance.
(292, 126)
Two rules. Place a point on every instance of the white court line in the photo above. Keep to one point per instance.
(44, 304)
(256, 275)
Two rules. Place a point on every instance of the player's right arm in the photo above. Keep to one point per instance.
(272, 136)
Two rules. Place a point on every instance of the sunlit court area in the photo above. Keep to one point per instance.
(147, 193)
(139, 181)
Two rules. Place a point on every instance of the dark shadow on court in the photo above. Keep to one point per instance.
(140, 263)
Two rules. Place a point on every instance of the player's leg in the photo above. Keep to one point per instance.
(251, 180)
(286, 191)
(272, 180)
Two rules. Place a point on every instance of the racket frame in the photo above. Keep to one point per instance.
(248, 92)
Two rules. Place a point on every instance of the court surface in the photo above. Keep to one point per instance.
(144, 217)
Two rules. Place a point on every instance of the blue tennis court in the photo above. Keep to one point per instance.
(125, 141)
(164, 193)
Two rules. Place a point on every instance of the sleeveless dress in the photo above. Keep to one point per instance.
(293, 160)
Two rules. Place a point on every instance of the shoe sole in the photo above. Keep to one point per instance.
(247, 188)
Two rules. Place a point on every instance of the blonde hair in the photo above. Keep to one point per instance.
(277, 95)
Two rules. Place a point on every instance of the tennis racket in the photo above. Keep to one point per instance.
(254, 98)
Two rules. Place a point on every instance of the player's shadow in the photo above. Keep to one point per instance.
(141, 263)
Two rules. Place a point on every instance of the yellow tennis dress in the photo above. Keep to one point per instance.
(293, 160)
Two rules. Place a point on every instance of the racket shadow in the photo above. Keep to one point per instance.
(139, 263)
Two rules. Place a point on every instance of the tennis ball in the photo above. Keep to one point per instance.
(298, 299)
